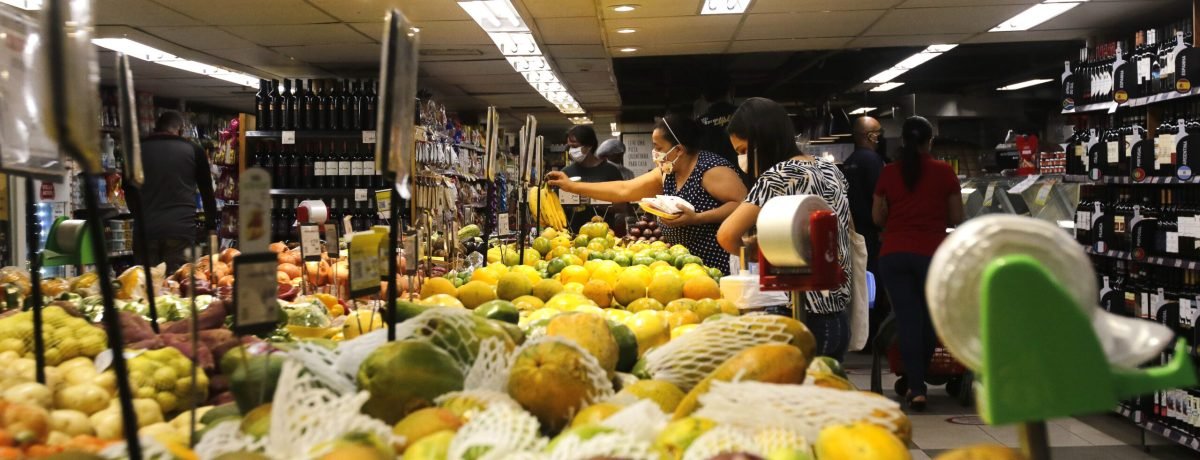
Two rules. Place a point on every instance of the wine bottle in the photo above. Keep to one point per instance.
(276, 118)
(335, 107)
(310, 108)
(372, 106)
(322, 106)
(344, 167)
(262, 106)
(288, 107)
(1083, 217)
(356, 169)
(299, 111)
(308, 168)
(358, 101)
(346, 106)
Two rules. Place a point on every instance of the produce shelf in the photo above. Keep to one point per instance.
(1125, 180)
(1135, 102)
(333, 192)
(306, 135)
(1161, 261)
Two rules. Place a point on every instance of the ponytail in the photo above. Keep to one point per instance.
(917, 132)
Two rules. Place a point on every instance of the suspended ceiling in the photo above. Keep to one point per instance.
(340, 38)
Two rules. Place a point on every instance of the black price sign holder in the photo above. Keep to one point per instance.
(255, 293)
(395, 136)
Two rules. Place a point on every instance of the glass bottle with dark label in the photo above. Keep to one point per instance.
(344, 166)
(319, 160)
(346, 106)
(356, 167)
(322, 105)
(371, 106)
(308, 166)
(335, 107)
(276, 107)
(288, 107)
(1143, 227)
(310, 108)
(358, 103)
(298, 110)
(262, 106)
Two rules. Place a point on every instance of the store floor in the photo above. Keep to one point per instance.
(947, 425)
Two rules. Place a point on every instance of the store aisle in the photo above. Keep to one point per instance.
(947, 425)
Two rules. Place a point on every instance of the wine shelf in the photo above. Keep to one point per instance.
(308, 135)
(1135, 102)
(1161, 261)
(1125, 180)
(302, 192)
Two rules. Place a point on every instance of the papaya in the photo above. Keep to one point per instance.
(550, 381)
(253, 383)
(770, 363)
(590, 332)
(405, 376)
(220, 412)
(627, 344)
(514, 332)
(981, 452)
(859, 441)
(406, 310)
(447, 337)
(802, 337)
(501, 310)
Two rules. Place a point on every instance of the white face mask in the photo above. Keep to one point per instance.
(576, 154)
(660, 159)
(744, 163)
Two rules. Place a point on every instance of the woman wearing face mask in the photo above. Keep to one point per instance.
(702, 178)
(765, 141)
(581, 149)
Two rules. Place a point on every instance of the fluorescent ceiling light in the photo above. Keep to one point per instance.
(495, 15)
(528, 63)
(1024, 84)
(616, 134)
(628, 50)
(1035, 15)
(887, 86)
(862, 110)
(515, 43)
(539, 76)
(613, 127)
(724, 6)
(580, 120)
(626, 30)
(30, 5)
(543, 88)
(910, 63)
(624, 8)
(151, 54)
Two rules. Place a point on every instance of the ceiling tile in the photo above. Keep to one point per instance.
(575, 51)
(560, 8)
(807, 25)
(797, 44)
(651, 9)
(583, 65)
(256, 56)
(569, 31)
(511, 78)
(241, 12)
(117, 12)
(363, 10)
(789, 6)
(943, 20)
(592, 85)
(200, 38)
(300, 34)
(332, 54)
(674, 49)
(884, 41)
(1031, 36)
(495, 88)
(431, 53)
(451, 33)
(530, 99)
(687, 29)
(945, 3)
(593, 77)
(1103, 15)
(486, 67)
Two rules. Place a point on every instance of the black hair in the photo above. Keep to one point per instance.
(917, 132)
(769, 134)
(680, 130)
(586, 136)
(169, 121)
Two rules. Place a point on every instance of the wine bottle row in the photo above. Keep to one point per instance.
(326, 105)
(319, 165)
(1123, 146)
(1142, 65)
(1146, 222)
(363, 215)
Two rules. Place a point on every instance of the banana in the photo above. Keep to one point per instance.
(551, 211)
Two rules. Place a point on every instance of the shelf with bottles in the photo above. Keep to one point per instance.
(318, 165)
(327, 107)
(1137, 70)
(363, 214)
(1133, 103)
(1157, 226)
(313, 192)
(1144, 147)
(1175, 262)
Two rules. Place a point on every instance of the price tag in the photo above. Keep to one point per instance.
(383, 231)
(1172, 243)
(331, 240)
(1024, 185)
(383, 202)
(987, 195)
(289, 138)
(254, 211)
(502, 223)
(410, 254)
(310, 242)
(595, 201)
(364, 263)
(1114, 150)
(255, 291)
(368, 137)
(347, 227)
(1043, 194)
(360, 194)
(566, 197)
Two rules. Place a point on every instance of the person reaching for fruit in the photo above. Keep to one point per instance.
(701, 178)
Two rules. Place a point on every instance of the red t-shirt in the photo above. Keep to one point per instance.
(916, 221)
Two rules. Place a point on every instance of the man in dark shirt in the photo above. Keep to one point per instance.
(862, 170)
(581, 149)
(175, 171)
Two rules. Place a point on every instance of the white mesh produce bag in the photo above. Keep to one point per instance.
(482, 398)
(728, 439)
(432, 324)
(600, 388)
(490, 369)
(688, 359)
(805, 409)
(616, 444)
(498, 432)
(322, 363)
(151, 450)
(227, 437)
(642, 419)
(305, 415)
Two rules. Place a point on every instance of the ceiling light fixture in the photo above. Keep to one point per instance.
(887, 87)
(626, 30)
(150, 54)
(515, 43)
(1025, 84)
(930, 52)
(613, 127)
(624, 8)
(495, 15)
(628, 50)
(724, 6)
(580, 120)
(31, 5)
(1036, 14)
(862, 110)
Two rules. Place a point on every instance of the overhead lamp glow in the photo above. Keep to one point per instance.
(515, 43)
(495, 15)
(616, 134)
(626, 30)
(539, 76)
(613, 127)
(1025, 84)
(31, 5)
(1035, 15)
(580, 120)
(862, 110)
(887, 87)
(148, 53)
(724, 6)
(624, 8)
(628, 50)
(528, 63)
(909, 63)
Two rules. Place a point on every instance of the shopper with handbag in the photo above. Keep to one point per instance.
(916, 199)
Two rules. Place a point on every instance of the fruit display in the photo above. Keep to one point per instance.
(547, 207)
(646, 229)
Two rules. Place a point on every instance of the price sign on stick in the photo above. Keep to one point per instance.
(254, 210)
(255, 291)
(383, 202)
(502, 224)
(331, 240)
(364, 263)
(310, 242)
(383, 231)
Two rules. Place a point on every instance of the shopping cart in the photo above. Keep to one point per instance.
(943, 368)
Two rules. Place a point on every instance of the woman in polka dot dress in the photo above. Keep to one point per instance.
(710, 183)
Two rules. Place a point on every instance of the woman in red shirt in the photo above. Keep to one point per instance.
(916, 199)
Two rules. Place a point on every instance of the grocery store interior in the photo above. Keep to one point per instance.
(571, 229)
